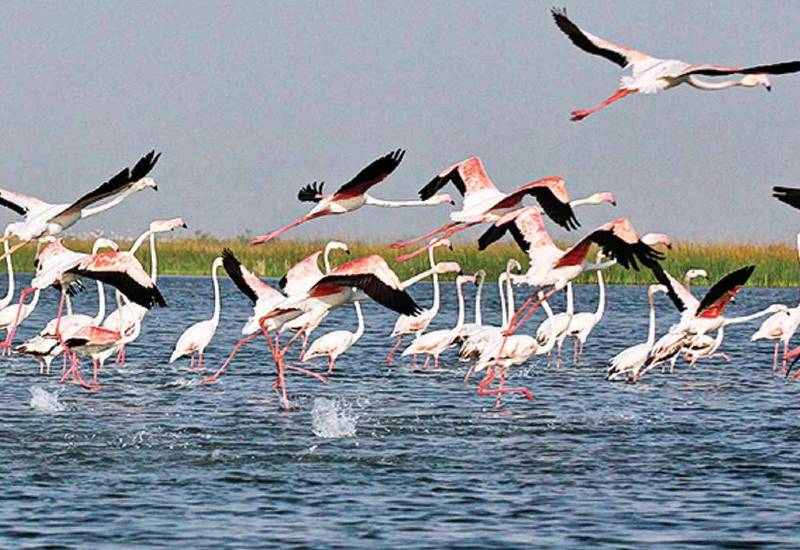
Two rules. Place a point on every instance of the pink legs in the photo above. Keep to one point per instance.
(428, 235)
(239, 344)
(455, 228)
(483, 390)
(264, 238)
(13, 328)
(121, 356)
(619, 94)
(390, 357)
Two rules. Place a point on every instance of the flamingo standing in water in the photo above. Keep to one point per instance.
(583, 323)
(650, 74)
(434, 343)
(6, 300)
(353, 195)
(485, 203)
(419, 323)
(631, 360)
(557, 327)
(98, 343)
(334, 344)
(45, 219)
(196, 338)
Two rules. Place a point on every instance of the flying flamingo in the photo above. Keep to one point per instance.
(353, 195)
(485, 203)
(434, 343)
(631, 360)
(196, 338)
(334, 344)
(650, 74)
(98, 343)
(419, 323)
(45, 219)
(583, 323)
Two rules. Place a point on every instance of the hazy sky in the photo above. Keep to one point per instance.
(250, 101)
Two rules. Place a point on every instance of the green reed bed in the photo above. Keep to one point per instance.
(777, 264)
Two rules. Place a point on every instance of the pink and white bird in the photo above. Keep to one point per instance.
(196, 338)
(485, 203)
(45, 219)
(335, 343)
(650, 74)
(353, 195)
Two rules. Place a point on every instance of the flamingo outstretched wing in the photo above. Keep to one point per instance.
(621, 55)
(618, 240)
(120, 182)
(551, 194)
(377, 171)
(468, 177)
(722, 292)
(788, 195)
(302, 275)
(124, 272)
(679, 295)
(250, 285)
(19, 203)
(527, 229)
(721, 70)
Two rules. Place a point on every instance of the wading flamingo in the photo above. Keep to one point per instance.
(353, 195)
(417, 324)
(630, 361)
(334, 344)
(45, 219)
(485, 203)
(434, 343)
(650, 74)
(583, 323)
(98, 343)
(10, 267)
(196, 338)
(557, 327)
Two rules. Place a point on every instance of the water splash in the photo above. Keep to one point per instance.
(44, 401)
(333, 419)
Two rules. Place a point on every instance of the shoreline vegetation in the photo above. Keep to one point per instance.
(776, 263)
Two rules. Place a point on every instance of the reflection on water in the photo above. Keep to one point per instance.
(390, 457)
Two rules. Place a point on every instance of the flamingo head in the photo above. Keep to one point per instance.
(695, 273)
(600, 198)
(480, 276)
(441, 199)
(216, 264)
(162, 226)
(513, 265)
(777, 308)
(448, 267)
(144, 183)
(461, 279)
(15, 230)
(652, 289)
(337, 245)
(102, 242)
(753, 80)
(436, 242)
(652, 239)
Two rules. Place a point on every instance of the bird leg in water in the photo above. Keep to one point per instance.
(239, 344)
(390, 357)
(13, 329)
(483, 390)
(121, 356)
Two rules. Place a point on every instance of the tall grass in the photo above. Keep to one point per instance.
(776, 263)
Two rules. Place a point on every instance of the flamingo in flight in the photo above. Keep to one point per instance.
(353, 195)
(650, 74)
(485, 203)
(45, 219)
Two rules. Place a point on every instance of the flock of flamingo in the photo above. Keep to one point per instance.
(308, 292)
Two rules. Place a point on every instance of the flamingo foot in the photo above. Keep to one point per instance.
(580, 114)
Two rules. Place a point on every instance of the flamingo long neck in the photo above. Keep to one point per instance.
(360, 316)
(459, 291)
(747, 318)
(416, 278)
(651, 330)
(67, 301)
(435, 305)
(553, 338)
(326, 261)
(584, 201)
(478, 314)
(137, 325)
(137, 244)
(217, 304)
(601, 298)
(86, 212)
(510, 306)
(706, 85)
(503, 311)
(101, 304)
(436, 199)
(153, 258)
(10, 292)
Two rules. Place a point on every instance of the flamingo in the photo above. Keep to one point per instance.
(47, 344)
(650, 74)
(352, 195)
(334, 344)
(583, 323)
(485, 203)
(477, 340)
(434, 343)
(631, 360)
(196, 338)
(477, 325)
(45, 219)
(12, 316)
(557, 327)
(419, 323)
(6, 300)
(98, 343)
(779, 327)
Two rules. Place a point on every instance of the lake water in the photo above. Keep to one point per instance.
(390, 457)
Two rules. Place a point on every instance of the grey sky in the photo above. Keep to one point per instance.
(249, 101)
